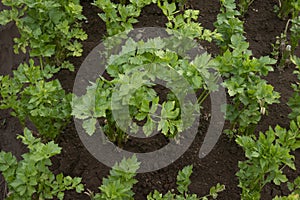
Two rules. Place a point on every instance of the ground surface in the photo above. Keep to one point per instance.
(220, 166)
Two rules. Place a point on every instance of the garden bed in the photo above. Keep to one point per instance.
(261, 27)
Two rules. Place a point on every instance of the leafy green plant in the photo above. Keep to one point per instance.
(250, 94)
(120, 17)
(290, 197)
(228, 23)
(267, 156)
(295, 33)
(294, 101)
(183, 182)
(286, 8)
(185, 25)
(32, 97)
(292, 137)
(284, 47)
(145, 102)
(294, 188)
(30, 178)
(50, 29)
(118, 185)
(133, 72)
(244, 5)
(281, 51)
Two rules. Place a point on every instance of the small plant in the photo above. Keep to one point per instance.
(294, 101)
(290, 197)
(49, 30)
(145, 105)
(295, 33)
(250, 94)
(120, 17)
(242, 73)
(281, 51)
(32, 97)
(284, 48)
(228, 23)
(287, 8)
(185, 25)
(244, 5)
(294, 188)
(135, 81)
(267, 156)
(183, 182)
(30, 178)
(118, 185)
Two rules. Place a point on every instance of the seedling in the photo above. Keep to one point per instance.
(49, 30)
(31, 178)
(242, 73)
(118, 185)
(183, 182)
(244, 5)
(287, 9)
(32, 96)
(267, 156)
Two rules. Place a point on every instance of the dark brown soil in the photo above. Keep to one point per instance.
(220, 166)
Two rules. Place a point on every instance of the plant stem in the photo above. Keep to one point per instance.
(201, 100)
(202, 95)
(41, 63)
(286, 27)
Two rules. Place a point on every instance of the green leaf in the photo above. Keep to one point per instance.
(141, 116)
(60, 195)
(148, 127)
(183, 179)
(145, 106)
(280, 178)
(89, 125)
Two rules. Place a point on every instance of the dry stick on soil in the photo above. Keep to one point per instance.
(5, 189)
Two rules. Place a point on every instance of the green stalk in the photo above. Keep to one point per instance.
(202, 95)
(41, 62)
(201, 100)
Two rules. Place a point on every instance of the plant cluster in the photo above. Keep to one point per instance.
(183, 182)
(119, 184)
(32, 97)
(288, 40)
(250, 93)
(267, 156)
(294, 101)
(294, 187)
(287, 8)
(183, 24)
(244, 5)
(161, 61)
(242, 72)
(135, 86)
(50, 32)
(271, 152)
(120, 17)
(228, 23)
(31, 178)
(120, 181)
